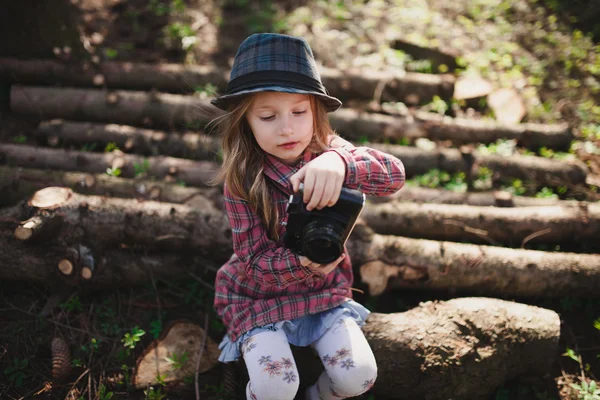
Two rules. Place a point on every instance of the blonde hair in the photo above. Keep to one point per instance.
(243, 159)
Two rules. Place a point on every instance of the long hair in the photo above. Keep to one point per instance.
(243, 159)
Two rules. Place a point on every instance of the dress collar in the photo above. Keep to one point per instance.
(281, 173)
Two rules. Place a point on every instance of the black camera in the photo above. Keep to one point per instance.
(320, 235)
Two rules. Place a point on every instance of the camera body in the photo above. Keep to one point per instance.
(320, 235)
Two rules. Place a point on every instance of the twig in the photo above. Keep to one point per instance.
(77, 381)
(534, 235)
(200, 355)
(478, 232)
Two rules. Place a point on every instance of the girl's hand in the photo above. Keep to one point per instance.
(319, 268)
(323, 178)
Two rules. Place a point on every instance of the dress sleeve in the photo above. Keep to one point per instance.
(371, 171)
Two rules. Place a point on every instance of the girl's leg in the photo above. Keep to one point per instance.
(350, 367)
(271, 366)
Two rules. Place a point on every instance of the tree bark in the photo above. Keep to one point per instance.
(39, 263)
(148, 142)
(388, 262)
(416, 161)
(412, 263)
(160, 109)
(34, 28)
(112, 222)
(542, 170)
(513, 227)
(196, 173)
(119, 106)
(412, 88)
(358, 126)
(415, 194)
(17, 184)
(460, 349)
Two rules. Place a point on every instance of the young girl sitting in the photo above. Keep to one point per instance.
(276, 135)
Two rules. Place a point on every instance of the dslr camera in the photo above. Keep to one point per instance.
(320, 235)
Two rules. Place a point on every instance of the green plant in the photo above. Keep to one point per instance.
(104, 394)
(19, 139)
(156, 328)
(152, 394)
(484, 178)
(89, 147)
(91, 347)
(72, 304)
(141, 168)
(113, 171)
(111, 53)
(131, 339)
(587, 391)
(15, 372)
(546, 193)
(110, 147)
(177, 361)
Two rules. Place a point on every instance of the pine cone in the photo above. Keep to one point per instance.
(61, 359)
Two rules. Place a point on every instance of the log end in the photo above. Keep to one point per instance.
(65, 267)
(23, 233)
(50, 197)
(86, 273)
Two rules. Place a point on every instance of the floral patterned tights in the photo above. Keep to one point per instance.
(350, 367)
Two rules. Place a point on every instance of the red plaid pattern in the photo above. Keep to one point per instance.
(263, 282)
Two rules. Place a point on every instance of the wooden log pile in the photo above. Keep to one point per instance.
(146, 210)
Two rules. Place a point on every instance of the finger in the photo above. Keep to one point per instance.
(331, 266)
(297, 178)
(328, 190)
(317, 193)
(309, 185)
(339, 182)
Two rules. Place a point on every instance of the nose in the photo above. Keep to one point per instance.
(286, 126)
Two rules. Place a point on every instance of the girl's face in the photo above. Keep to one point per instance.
(282, 124)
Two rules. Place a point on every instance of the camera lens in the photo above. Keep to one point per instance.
(322, 241)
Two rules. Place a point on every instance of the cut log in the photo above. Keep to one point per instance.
(180, 338)
(17, 184)
(432, 265)
(468, 268)
(364, 84)
(537, 169)
(460, 349)
(542, 170)
(159, 109)
(513, 227)
(52, 265)
(121, 107)
(112, 222)
(437, 57)
(131, 139)
(196, 173)
(417, 194)
(359, 126)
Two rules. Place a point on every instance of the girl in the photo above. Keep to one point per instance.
(276, 135)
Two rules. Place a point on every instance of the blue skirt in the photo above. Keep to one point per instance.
(301, 331)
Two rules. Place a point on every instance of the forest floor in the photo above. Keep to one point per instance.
(520, 44)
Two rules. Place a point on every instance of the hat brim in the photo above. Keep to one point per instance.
(225, 101)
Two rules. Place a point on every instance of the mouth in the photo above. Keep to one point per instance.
(288, 145)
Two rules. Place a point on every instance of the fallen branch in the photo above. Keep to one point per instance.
(579, 222)
(197, 146)
(17, 184)
(410, 87)
(119, 106)
(358, 126)
(196, 173)
(486, 270)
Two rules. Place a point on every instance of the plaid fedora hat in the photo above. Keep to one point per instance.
(278, 63)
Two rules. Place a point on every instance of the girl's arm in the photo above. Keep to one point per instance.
(371, 171)
(264, 261)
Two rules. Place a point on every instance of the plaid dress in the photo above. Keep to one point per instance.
(263, 282)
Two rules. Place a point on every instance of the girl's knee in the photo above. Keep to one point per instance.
(276, 389)
(352, 379)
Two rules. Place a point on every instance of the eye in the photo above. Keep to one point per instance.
(269, 118)
(299, 112)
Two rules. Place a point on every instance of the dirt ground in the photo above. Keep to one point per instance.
(347, 35)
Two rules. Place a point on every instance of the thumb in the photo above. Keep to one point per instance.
(297, 178)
